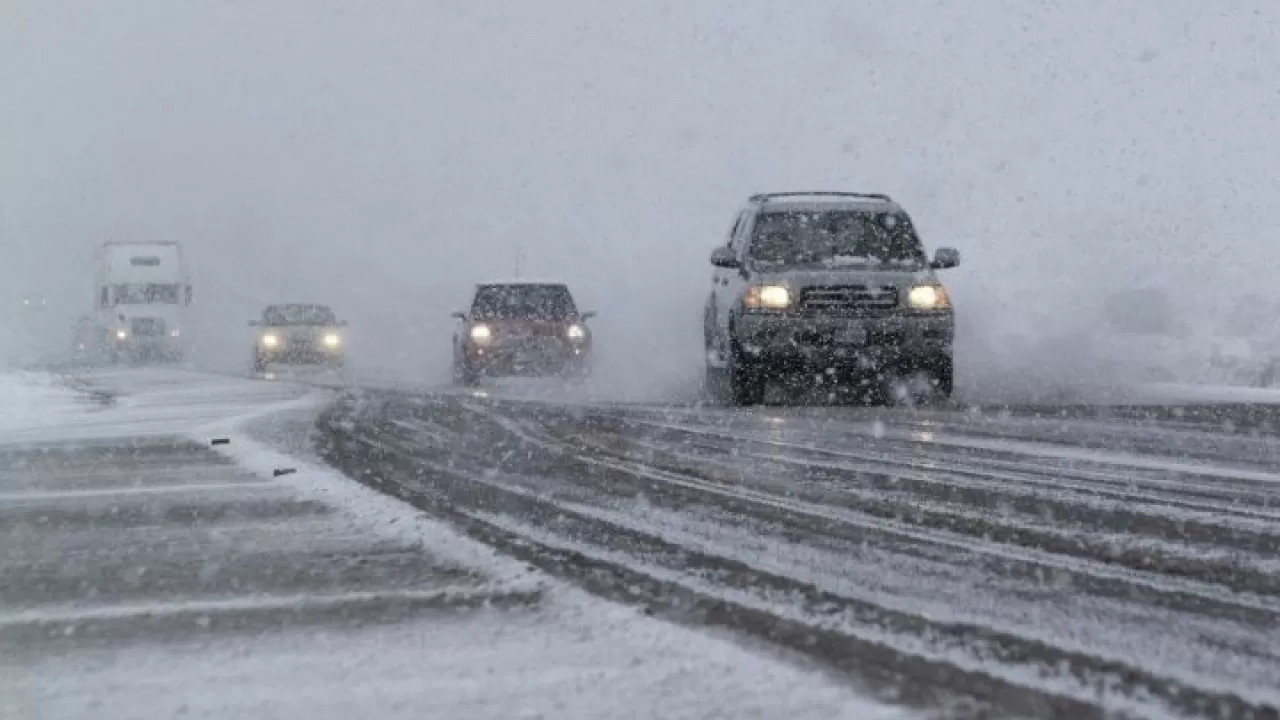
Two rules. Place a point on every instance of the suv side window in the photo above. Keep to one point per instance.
(733, 231)
(739, 240)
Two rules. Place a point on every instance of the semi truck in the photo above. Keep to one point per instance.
(141, 293)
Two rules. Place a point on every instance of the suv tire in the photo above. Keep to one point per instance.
(736, 383)
(464, 377)
(746, 385)
(943, 370)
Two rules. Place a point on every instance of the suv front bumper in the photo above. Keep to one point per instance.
(802, 343)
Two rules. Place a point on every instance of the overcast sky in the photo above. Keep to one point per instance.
(383, 156)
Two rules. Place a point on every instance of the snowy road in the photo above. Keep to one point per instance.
(1060, 565)
(148, 573)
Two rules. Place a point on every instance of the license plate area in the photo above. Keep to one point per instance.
(854, 335)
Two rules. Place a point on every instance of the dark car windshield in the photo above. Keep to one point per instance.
(533, 301)
(298, 315)
(835, 239)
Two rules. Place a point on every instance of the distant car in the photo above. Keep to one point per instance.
(521, 329)
(298, 334)
(829, 284)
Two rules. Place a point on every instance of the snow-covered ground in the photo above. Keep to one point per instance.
(568, 656)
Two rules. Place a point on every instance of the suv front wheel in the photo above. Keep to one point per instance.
(735, 382)
(923, 382)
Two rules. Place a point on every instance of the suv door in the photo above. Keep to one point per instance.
(711, 309)
(731, 282)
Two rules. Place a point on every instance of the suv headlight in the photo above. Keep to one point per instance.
(928, 297)
(576, 332)
(270, 340)
(332, 340)
(481, 334)
(767, 297)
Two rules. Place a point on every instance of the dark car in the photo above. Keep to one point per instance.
(521, 329)
(829, 284)
(298, 334)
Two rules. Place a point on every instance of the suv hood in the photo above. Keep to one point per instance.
(527, 325)
(871, 277)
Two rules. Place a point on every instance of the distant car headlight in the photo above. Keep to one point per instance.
(576, 332)
(767, 297)
(928, 297)
(175, 333)
(332, 340)
(122, 334)
(270, 340)
(481, 334)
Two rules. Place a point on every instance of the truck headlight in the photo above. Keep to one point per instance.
(576, 332)
(767, 297)
(481, 334)
(270, 340)
(332, 340)
(928, 297)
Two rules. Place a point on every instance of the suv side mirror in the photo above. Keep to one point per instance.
(587, 315)
(458, 315)
(254, 323)
(342, 323)
(945, 258)
(725, 258)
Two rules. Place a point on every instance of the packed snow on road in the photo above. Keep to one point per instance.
(151, 573)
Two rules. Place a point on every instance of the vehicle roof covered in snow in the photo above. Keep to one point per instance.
(524, 281)
(824, 200)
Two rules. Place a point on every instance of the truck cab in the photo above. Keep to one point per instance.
(142, 293)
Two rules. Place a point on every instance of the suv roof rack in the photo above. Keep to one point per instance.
(764, 197)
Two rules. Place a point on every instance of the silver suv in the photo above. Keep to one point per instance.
(829, 284)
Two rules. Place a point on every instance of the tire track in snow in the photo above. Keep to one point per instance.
(482, 442)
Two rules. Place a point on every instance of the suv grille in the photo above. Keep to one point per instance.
(849, 298)
(146, 327)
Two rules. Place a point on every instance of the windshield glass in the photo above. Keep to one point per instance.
(537, 301)
(834, 239)
(146, 294)
(298, 315)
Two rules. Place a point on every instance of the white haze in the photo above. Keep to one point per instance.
(382, 157)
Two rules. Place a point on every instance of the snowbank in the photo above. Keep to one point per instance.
(32, 401)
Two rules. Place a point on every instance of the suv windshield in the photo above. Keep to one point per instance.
(835, 239)
(542, 301)
(298, 315)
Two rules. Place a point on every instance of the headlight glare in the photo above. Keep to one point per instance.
(332, 340)
(270, 340)
(767, 297)
(122, 334)
(576, 332)
(481, 334)
(928, 297)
